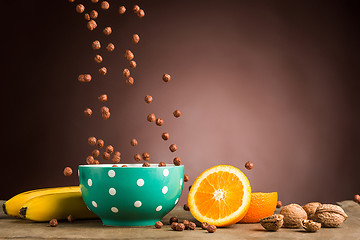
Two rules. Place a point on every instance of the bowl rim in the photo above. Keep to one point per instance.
(129, 166)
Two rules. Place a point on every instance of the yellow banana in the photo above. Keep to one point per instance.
(13, 205)
(56, 205)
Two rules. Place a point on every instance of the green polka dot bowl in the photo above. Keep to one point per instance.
(132, 195)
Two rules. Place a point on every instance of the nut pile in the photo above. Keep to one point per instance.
(175, 225)
(312, 216)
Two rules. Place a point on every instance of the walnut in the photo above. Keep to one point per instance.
(310, 209)
(293, 215)
(272, 223)
(311, 226)
(330, 215)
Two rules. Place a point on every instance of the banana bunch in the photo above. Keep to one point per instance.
(42, 205)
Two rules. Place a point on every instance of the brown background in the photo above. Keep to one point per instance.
(273, 82)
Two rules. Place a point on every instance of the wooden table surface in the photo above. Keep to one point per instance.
(13, 228)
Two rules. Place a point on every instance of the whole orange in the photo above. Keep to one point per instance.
(261, 205)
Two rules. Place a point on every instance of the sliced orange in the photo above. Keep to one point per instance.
(220, 196)
(262, 205)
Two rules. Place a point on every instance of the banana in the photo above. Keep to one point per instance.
(56, 205)
(13, 205)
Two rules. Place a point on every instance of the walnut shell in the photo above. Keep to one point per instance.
(311, 226)
(272, 223)
(310, 209)
(330, 215)
(293, 215)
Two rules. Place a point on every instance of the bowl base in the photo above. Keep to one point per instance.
(130, 223)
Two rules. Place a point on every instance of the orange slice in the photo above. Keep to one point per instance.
(220, 196)
(262, 205)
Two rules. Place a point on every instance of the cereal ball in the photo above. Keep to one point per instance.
(141, 13)
(186, 223)
(80, 8)
(173, 147)
(98, 59)
(71, 1)
(105, 115)
(92, 141)
(105, 5)
(136, 9)
(135, 38)
(94, 1)
(126, 72)
(90, 160)
(166, 77)
(249, 165)
(204, 225)
(159, 122)
(95, 153)
(70, 218)
(146, 156)
(128, 55)
(106, 156)
(104, 109)
(102, 98)
(96, 162)
(87, 77)
(148, 99)
(117, 153)
(165, 136)
(137, 157)
(173, 219)
(116, 159)
(110, 47)
(81, 78)
(87, 112)
(357, 198)
(109, 149)
(67, 171)
(53, 223)
(129, 81)
(96, 45)
(133, 142)
(123, 166)
(146, 164)
(151, 117)
(114, 165)
(211, 229)
(186, 207)
(159, 224)
(186, 178)
(100, 143)
(122, 10)
(132, 64)
(192, 226)
(177, 161)
(177, 113)
(107, 31)
(162, 164)
(87, 17)
(278, 204)
(173, 225)
(91, 25)
(94, 14)
(103, 71)
(180, 227)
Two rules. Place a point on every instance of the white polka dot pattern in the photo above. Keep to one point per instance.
(158, 208)
(112, 191)
(166, 172)
(176, 201)
(140, 182)
(111, 173)
(114, 210)
(89, 182)
(94, 203)
(164, 189)
(137, 204)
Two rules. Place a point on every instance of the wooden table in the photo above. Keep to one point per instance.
(13, 228)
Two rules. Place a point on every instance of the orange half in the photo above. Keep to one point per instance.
(220, 196)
